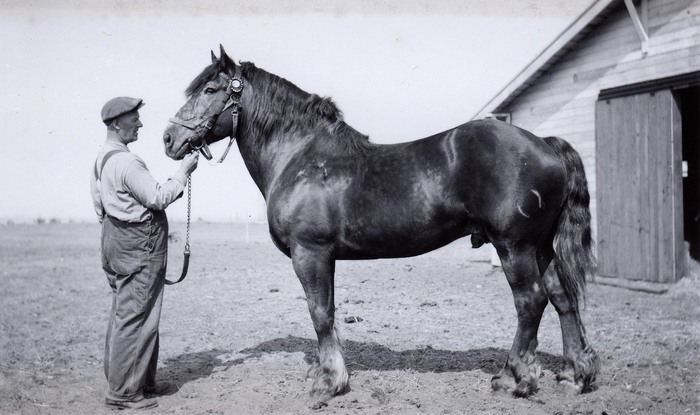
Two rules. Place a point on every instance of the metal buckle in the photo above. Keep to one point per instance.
(193, 145)
(235, 85)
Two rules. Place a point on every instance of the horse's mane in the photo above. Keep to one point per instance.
(286, 108)
(282, 107)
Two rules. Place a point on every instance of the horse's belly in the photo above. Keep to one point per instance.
(397, 239)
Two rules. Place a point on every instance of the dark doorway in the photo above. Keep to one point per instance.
(689, 99)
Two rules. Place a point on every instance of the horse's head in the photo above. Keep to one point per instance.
(211, 110)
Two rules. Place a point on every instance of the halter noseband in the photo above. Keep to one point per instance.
(196, 141)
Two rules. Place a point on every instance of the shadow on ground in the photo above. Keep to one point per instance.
(189, 367)
(374, 356)
(359, 356)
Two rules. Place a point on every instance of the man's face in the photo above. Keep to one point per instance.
(129, 125)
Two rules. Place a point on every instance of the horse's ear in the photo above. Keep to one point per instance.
(224, 58)
(214, 59)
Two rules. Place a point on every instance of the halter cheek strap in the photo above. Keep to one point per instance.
(234, 129)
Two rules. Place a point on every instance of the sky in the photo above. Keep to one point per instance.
(399, 71)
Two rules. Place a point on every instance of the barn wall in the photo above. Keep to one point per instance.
(562, 101)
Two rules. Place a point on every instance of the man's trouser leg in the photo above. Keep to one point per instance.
(134, 259)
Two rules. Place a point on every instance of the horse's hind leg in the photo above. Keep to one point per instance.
(522, 271)
(582, 363)
(315, 269)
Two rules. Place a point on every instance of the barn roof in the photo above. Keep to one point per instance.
(583, 25)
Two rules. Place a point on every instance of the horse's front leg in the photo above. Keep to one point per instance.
(316, 268)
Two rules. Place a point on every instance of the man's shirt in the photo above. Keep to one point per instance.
(126, 190)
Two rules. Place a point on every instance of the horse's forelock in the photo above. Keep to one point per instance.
(225, 65)
(209, 73)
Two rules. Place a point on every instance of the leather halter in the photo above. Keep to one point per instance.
(196, 141)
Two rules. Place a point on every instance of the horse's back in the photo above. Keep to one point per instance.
(484, 175)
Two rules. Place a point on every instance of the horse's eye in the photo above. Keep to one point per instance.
(209, 91)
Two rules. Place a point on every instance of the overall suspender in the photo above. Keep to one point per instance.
(104, 161)
(98, 173)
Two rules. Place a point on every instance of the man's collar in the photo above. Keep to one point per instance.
(113, 140)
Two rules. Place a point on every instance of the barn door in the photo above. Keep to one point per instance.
(639, 188)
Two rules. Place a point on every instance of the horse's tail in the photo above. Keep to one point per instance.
(573, 244)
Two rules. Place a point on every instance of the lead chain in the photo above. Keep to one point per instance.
(189, 210)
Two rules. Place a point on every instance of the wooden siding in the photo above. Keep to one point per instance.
(640, 195)
(562, 101)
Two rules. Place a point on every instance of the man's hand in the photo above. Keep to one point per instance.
(189, 163)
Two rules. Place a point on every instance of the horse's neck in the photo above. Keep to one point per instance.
(268, 144)
(267, 157)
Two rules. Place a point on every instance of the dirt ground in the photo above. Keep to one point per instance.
(424, 335)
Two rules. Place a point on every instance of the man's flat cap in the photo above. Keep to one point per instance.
(119, 106)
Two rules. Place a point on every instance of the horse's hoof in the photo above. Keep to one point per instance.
(520, 386)
(318, 405)
(501, 383)
(569, 387)
(327, 383)
(524, 389)
(579, 375)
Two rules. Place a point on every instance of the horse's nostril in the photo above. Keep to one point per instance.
(166, 139)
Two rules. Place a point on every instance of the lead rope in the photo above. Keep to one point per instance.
(186, 253)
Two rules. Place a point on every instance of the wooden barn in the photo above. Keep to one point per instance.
(622, 85)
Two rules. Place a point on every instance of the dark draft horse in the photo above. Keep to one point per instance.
(332, 195)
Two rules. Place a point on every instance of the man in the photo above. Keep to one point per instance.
(130, 204)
